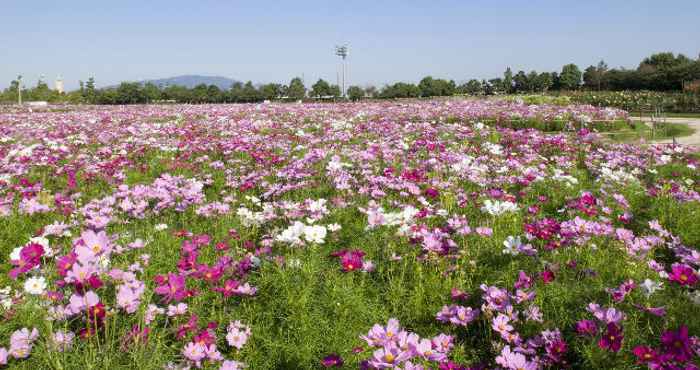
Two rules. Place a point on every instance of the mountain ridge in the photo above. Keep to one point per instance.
(190, 81)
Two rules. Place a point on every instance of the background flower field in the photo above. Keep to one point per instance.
(428, 234)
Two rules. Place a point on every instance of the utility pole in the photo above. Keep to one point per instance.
(19, 89)
(342, 51)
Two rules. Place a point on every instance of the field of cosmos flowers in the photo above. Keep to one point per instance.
(466, 234)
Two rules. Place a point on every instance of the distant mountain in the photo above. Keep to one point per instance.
(190, 81)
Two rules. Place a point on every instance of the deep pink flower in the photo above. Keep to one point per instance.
(683, 275)
(29, 257)
(586, 327)
(352, 260)
(229, 288)
(174, 289)
(547, 276)
(677, 343)
(332, 360)
(644, 354)
(524, 281)
(612, 338)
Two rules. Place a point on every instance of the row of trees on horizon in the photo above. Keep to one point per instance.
(658, 72)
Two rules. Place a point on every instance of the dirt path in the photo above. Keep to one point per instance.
(693, 139)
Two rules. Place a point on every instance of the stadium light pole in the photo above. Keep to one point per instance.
(342, 51)
(19, 89)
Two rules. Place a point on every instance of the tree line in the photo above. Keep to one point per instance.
(658, 72)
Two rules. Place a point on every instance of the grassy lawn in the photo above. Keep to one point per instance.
(683, 115)
(642, 131)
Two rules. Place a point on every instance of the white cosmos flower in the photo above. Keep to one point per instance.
(35, 285)
(161, 227)
(14, 255)
(315, 234)
(649, 287)
(496, 208)
(512, 245)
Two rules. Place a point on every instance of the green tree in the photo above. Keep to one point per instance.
(426, 87)
(129, 93)
(532, 82)
(508, 81)
(662, 61)
(271, 91)
(335, 91)
(90, 94)
(570, 77)
(214, 94)
(472, 87)
(296, 89)
(250, 93)
(520, 82)
(320, 89)
(355, 93)
(151, 92)
(371, 91)
(544, 81)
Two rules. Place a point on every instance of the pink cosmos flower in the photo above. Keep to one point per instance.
(389, 356)
(610, 315)
(177, 310)
(379, 335)
(514, 360)
(426, 349)
(80, 303)
(246, 289)
(237, 334)
(457, 315)
(22, 341)
(194, 352)
(29, 257)
(231, 365)
(173, 289)
(62, 340)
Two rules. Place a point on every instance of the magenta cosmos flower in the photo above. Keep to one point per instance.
(172, 289)
(612, 338)
(29, 257)
(677, 343)
(683, 275)
(332, 360)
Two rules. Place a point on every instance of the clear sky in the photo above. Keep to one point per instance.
(389, 41)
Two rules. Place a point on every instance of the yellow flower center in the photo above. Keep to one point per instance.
(389, 358)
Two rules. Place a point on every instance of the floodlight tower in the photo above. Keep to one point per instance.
(19, 89)
(342, 51)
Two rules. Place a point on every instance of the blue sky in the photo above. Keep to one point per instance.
(389, 41)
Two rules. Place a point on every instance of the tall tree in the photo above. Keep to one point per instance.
(296, 89)
(320, 89)
(570, 77)
(508, 86)
(355, 93)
